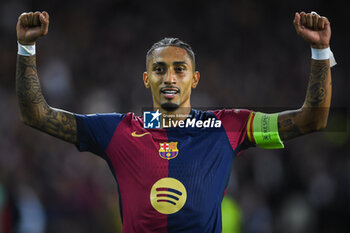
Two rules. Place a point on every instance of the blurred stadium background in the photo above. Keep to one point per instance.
(249, 56)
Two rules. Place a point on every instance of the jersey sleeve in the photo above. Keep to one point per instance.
(96, 130)
(235, 123)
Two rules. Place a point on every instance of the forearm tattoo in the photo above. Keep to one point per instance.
(317, 87)
(34, 109)
(292, 123)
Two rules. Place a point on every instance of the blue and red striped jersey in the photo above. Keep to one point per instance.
(170, 179)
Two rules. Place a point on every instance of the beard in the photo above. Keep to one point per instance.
(169, 107)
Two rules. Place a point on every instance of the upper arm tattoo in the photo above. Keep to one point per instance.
(34, 109)
(60, 124)
(287, 125)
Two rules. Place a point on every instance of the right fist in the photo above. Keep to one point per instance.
(31, 26)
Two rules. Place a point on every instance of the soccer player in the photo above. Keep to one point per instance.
(174, 179)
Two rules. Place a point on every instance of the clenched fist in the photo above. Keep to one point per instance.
(31, 26)
(315, 29)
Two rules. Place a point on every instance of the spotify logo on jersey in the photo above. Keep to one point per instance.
(168, 195)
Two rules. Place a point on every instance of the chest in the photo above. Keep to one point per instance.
(177, 152)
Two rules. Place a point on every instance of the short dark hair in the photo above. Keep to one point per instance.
(176, 42)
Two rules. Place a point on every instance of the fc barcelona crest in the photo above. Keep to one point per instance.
(168, 150)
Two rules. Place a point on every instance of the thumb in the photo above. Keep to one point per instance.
(44, 20)
(327, 24)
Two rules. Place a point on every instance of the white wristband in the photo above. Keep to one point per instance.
(323, 54)
(26, 50)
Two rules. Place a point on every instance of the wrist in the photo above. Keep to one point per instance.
(25, 43)
(26, 50)
(321, 46)
(323, 54)
(320, 54)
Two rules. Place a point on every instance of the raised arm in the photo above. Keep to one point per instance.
(313, 115)
(270, 130)
(34, 110)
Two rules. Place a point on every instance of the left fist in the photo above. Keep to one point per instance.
(313, 28)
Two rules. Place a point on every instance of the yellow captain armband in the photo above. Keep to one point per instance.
(262, 129)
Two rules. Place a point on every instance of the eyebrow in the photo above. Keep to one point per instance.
(164, 64)
(179, 63)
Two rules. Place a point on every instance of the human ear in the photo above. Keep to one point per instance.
(145, 79)
(196, 77)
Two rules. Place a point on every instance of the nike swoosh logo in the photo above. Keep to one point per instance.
(134, 134)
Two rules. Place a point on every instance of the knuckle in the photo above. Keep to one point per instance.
(22, 15)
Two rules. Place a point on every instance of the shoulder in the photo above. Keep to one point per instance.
(110, 120)
(101, 116)
(231, 114)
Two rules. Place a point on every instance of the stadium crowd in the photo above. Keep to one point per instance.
(249, 56)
